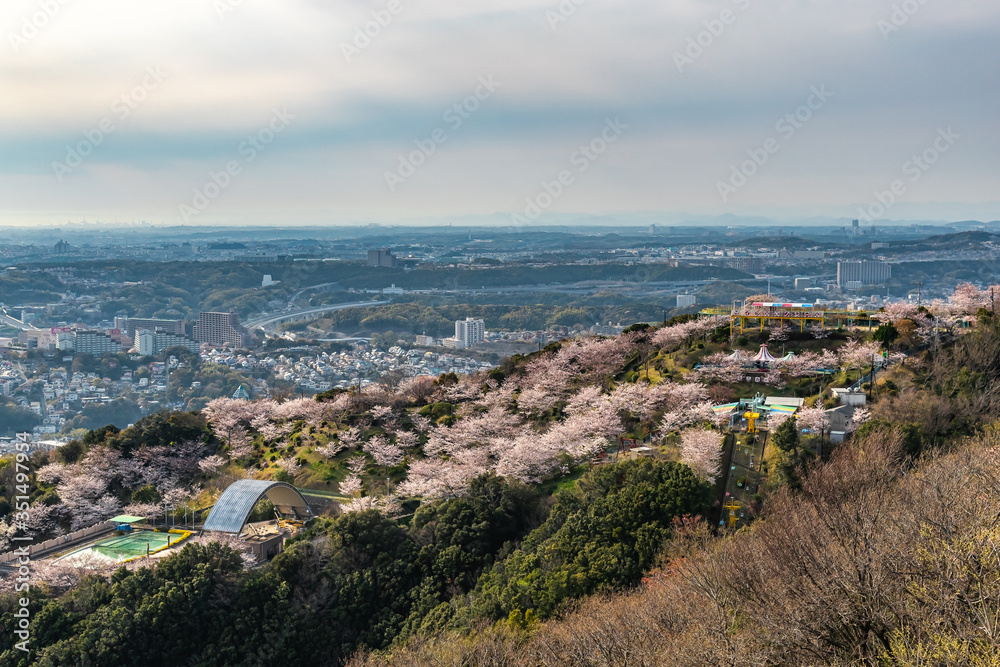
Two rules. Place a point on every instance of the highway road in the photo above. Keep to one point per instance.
(305, 313)
(11, 321)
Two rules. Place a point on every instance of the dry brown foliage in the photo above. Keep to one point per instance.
(876, 560)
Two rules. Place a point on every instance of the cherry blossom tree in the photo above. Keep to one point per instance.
(7, 532)
(306, 409)
(860, 415)
(175, 496)
(240, 443)
(814, 419)
(270, 431)
(897, 310)
(420, 423)
(479, 430)
(45, 519)
(501, 396)
(66, 573)
(593, 358)
(676, 420)
(674, 335)
(351, 437)
(288, 464)
(682, 396)
(407, 439)
(247, 557)
(466, 389)
(776, 419)
(357, 464)
(381, 413)
(856, 354)
(384, 452)
(968, 299)
(387, 505)
(721, 367)
(807, 363)
(585, 399)
(331, 449)
(145, 510)
(637, 400)
(211, 464)
(351, 486)
(701, 451)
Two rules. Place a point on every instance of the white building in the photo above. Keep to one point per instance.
(607, 329)
(154, 342)
(686, 300)
(470, 331)
(96, 343)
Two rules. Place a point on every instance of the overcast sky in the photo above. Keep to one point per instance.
(125, 108)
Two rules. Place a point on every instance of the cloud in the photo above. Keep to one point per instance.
(229, 68)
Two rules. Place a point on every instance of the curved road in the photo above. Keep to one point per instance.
(14, 322)
(291, 301)
(272, 320)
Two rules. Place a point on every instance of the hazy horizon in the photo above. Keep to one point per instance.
(265, 113)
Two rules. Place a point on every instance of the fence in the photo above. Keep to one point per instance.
(60, 542)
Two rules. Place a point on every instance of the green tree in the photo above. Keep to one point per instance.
(887, 334)
(786, 436)
(603, 533)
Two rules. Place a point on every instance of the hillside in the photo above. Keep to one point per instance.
(504, 518)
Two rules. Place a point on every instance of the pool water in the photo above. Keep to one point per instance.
(131, 545)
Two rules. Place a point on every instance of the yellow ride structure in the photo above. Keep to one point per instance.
(760, 314)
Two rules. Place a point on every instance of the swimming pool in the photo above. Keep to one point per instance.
(131, 545)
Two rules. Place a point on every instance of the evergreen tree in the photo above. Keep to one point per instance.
(786, 436)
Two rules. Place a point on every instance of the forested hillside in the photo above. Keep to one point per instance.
(499, 518)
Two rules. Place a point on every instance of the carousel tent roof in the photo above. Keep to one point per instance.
(764, 355)
(737, 355)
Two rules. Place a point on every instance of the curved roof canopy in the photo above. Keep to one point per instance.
(764, 355)
(230, 512)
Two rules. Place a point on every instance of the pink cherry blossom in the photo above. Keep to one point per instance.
(212, 464)
(701, 451)
(384, 452)
(331, 449)
(289, 465)
(351, 486)
(814, 419)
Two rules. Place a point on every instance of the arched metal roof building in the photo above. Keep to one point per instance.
(230, 512)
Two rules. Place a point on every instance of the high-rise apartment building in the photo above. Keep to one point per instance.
(96, 343)
(154, 342)
(746, 264)
(220, 329)
(470, 331)
(381, 257)
(864, 272)
(131, 325)
(686, 300)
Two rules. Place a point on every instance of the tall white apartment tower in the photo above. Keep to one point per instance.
(470, 331)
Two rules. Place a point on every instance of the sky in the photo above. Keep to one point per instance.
(518, 112)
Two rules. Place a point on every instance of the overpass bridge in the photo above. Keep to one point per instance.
(270, 321)
(14, 322)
